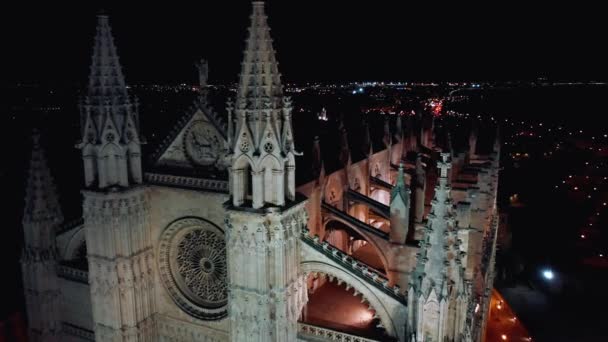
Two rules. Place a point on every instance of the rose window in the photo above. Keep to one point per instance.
(193, 267)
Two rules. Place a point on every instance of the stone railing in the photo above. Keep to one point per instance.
(74, 330)
(73, 274)
(354, 266)
(488, 245)
(188, 182)
(309, 332)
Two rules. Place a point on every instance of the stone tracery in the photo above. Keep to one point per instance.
(193, 267)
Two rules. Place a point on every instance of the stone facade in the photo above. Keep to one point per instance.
(214, 242)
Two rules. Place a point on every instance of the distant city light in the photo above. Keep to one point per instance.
(548, 274)
(503, 337)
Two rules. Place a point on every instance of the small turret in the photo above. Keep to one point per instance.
(386, 138)
(367, 141)
(400, 209)
(203, 73)
(419, 188)
(262, 148)
(111, 142)
(317, 158)
(345, 158)
(41, 216)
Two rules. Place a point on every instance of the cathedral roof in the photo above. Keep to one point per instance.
(41, 200)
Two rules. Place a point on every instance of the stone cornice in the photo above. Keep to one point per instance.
(73, 274)
(214, 185)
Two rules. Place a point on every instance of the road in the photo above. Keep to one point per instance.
(503, 324)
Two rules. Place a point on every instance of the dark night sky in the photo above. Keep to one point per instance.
(325, 41)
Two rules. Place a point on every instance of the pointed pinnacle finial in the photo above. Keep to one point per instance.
(387, 132)
(35, 138)
(102, 16)
(400, 176)
(400, 188)
(497, 139)
(41, 201)
(317, 162)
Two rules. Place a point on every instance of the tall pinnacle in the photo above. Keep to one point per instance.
(41, 203)
(367, 141)
(344, 156)
(434, 264)
(260, 80)
(110, 120)
(317, 158)
(263, 135)
(400, 209)
(401, 189)
(106, 81)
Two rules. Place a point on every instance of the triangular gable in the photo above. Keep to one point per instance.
(180, 146)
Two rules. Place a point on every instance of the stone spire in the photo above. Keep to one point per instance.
(41, 202)
(432, 277)
(263, 154)
(203, 73)
(317, 158)
(260, 80)
(399, 129)
(41, 216)
(400, 209)
(267, 288)
(345, 158)
(473, 139)
(433, 258)
(367, 140)
(419, 182)
(497, 141)
(386, 139)
(111, 143)
(400, 189)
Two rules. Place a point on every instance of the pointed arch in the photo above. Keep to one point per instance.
(110, 160)
(242, 181)
(431, 317)
(273, 179)
(89, 158)
(134, 161)
(361, 288)
(290, 177)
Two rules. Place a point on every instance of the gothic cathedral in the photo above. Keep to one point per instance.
(215, 241)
